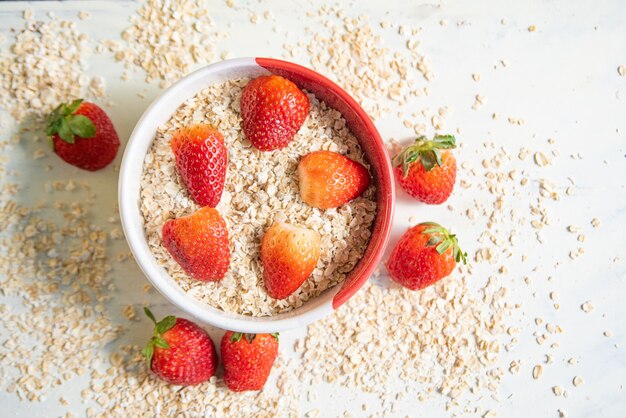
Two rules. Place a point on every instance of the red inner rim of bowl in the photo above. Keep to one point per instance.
(364, 130)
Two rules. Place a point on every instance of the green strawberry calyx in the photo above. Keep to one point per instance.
(236, 336)
(443, 239)
(63, 122)
(425, 151)
(157, 339)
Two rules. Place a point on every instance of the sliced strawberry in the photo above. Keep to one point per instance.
(201, 159)
(272, 109)
(425, 254)
(289, 255)
(426, 170)
(328, 179)
(199, 243)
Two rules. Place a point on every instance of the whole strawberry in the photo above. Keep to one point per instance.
(273, 109)
(425, 254)
(289, 255)
(82, 134)
(201, 159)
(199, 243)
(248, 359)
(328, 179)
(180, 352)
(425, 171)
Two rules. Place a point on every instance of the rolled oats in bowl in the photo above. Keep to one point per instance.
(261, 188)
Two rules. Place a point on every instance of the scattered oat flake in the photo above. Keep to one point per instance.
(537, 371)
(621, 70)
(577, 381)
(540, 159)
(129, 312)
(586, 307)
(479, 101)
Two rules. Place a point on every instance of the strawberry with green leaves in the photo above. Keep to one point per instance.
(248, 359)
(426, 169)
(82, 134)
(425, 254)
(180, 352)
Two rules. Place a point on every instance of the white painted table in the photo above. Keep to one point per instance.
(561, 79)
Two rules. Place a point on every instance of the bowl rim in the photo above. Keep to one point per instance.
(129, 200)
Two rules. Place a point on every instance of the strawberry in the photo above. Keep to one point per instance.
(328, 180)
(201, 159)
(199, 243)
(425, 172)
(288, 254)
(248, 359)
(273, 109)
(425, 254)
(82, 134)
(180, 352)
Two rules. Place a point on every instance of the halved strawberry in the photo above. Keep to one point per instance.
(289, 255)
(273, 109)
(199, 243)
(425, 171)
(328, 179)
(201, 158)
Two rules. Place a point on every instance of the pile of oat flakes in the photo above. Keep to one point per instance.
(166, 40)
(55, 258)
(44, 66)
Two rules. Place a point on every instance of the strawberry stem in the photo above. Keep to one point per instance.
(63, 122)
(157, 339)
(425, 151)
(443, 240)
(236, 337)
(149, 314)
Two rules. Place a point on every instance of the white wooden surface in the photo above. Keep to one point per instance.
(562, 80)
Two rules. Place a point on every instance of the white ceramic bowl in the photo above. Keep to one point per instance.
(159, 112)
